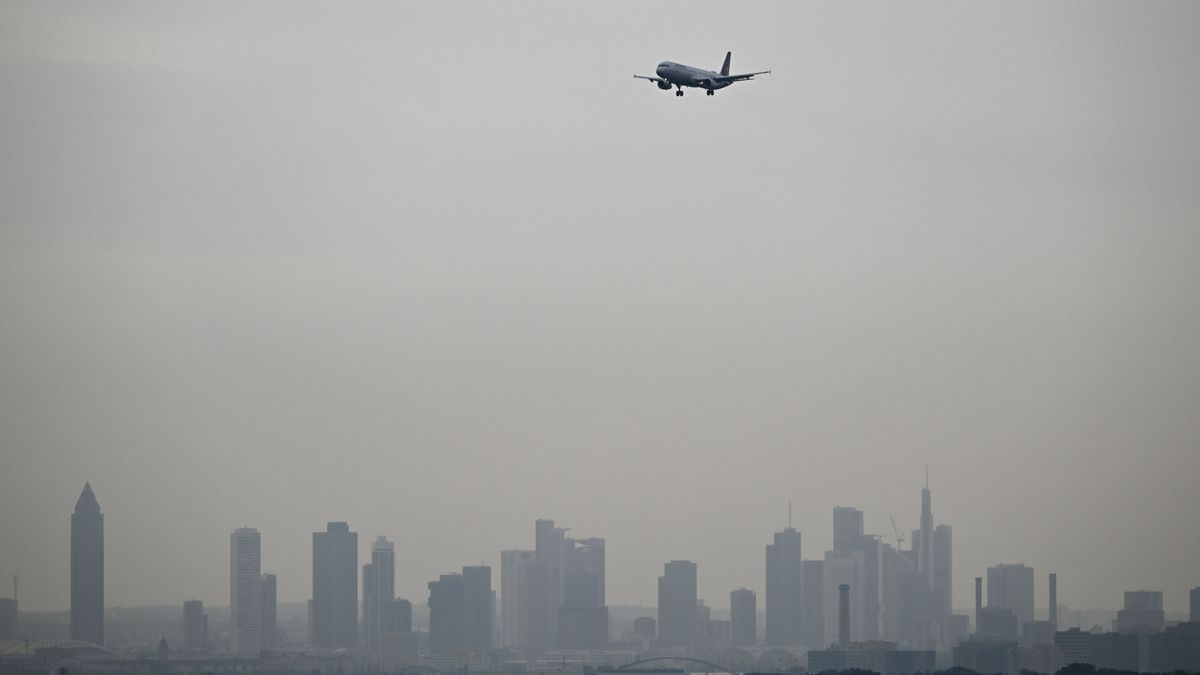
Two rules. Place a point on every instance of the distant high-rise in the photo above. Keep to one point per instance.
(743, 615)
(813, 604)
(645, 627)
(87, 569)
(925, 561)
(8, 619)
(245, 592)
(784, 589)
(379, 589)
(269, 610)
(1194, 604)
(335, 587)
(677, 604)
(943, 571)
(195, 626)
(1143, 613)
(1011, 586)
(847, 529)
(516, 586)
(582, 617)
(549, 542)
(460, 612)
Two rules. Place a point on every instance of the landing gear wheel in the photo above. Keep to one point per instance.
(709, 92)
(679, 93)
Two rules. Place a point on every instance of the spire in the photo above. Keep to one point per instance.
(87, 501)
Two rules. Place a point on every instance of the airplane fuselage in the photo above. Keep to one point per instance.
(688, 76)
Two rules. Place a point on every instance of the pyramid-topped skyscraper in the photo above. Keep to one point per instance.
(87, 569)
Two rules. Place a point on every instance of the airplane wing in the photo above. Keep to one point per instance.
(737, 78)
(652, 79)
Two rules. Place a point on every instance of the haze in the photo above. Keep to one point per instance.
(440, 269)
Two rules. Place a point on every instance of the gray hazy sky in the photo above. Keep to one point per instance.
(439, 269)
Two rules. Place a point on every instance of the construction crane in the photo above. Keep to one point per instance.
(899, 537)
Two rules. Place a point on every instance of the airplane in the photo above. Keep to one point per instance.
(679, 76)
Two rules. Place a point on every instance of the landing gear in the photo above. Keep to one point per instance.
(709, 92)
(679, 93)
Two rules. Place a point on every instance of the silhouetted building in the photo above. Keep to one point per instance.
(743, 618)
(1011, 586)
(812, 604)
(245, 592)
(1194, 604)
(843, 614)
(847, 529)
(460, 612)
(519, 579)
(195, 626)
(583, 603)
(8, 619)
(677, 604)
(645, 627)
(1143, 613)
(87, 569)
(987, 656)
(880, 657)
(396, 616)
(1175, 649)
(269, 610)
(549, 542)
(582, 628)
(379, 588)
(997, 624)
(1053, 601)
(784, 589)
(335, 587)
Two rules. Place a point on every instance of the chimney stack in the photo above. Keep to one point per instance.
(1054, 599)
(843, 615)
(978, 600)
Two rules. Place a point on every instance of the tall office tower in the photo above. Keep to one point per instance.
(743, 616)
(379, 588)
(943, 569)
(515, 597)
(269, 610)
(245, 592)
(335, 587)
(847, 529)
(582, 617)
(785, 588)
(925, 561)
(1193, 603)
(899, 581)
(813, 604)
(677, 604)
(195, 626)
(1011, 587)
(87, 569)
(549, 542)
(583, 572)
(460, 612)
(396, 617)
(1053, 601)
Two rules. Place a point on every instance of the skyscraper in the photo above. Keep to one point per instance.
(743, 616)
(813, 604)
(269, 610)
(582, 617)
(195, 625)
(677, 604)
(245, 592)
(549, 542)
(460, 612)
(1011, 587)
(784, 589)
(847, 529)
(515, 597)
(335, 587)
(379, 588)
(1193, 604)
(87, 569)
(925, 563)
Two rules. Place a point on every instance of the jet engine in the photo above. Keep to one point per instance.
(665, 86)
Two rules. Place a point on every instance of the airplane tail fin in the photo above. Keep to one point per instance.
(725, 66)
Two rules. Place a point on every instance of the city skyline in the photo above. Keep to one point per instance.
(848, 525)
(280, 265)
